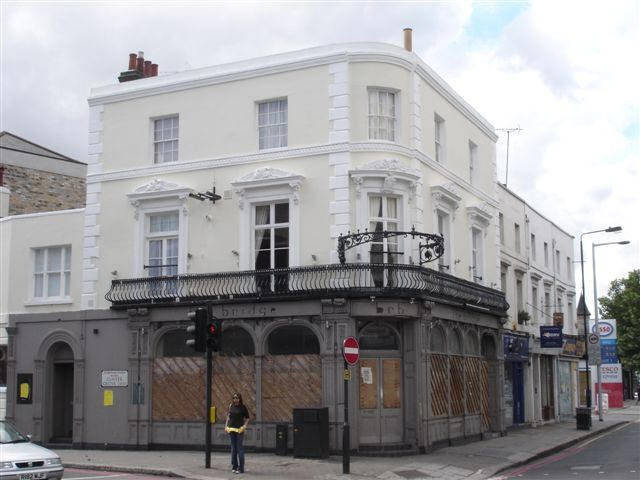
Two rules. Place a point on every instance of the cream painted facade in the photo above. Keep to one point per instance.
(328, 143)
(537, 277)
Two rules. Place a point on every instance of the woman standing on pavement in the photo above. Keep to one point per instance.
(237, 421)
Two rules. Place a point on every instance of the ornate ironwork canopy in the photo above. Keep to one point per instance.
(431, 249)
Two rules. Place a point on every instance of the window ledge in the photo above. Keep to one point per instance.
(48, 301)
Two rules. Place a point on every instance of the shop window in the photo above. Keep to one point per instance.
(378, 337)
(471, 344)
(455, 343)
(236, 341)
(172, 344)
(293, 340)
(437, 343)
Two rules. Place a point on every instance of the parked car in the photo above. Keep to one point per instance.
(20, 459)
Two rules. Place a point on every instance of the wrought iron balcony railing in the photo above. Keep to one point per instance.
(344, 280)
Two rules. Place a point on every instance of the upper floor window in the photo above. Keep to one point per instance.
(271, 234)
(546, 254)
(444, 229)
(569, 276)
(52, 272)
(501, 227)
(534, 302)
(557, 265)
(476, 255)
(516, 233)
(384, 215)
(162, 244)
(533, 247)
(473, 162)
(165, 139)
(382, 115)
(273, 124)
(439, 138)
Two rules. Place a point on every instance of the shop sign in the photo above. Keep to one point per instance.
(607, 329)
(516, 348)
(550, 337)
(611, 373)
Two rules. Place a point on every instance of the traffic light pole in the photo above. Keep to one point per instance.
(207, 417)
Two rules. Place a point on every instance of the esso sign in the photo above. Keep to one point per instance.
(605, 328)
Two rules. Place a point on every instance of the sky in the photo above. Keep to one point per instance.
(566, 72)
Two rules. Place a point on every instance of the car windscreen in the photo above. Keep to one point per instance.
(8, 434)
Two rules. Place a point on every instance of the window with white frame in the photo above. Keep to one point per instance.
(546, 254)
(273, 124)
(557, 265)
(476, 254)
(534, 302)
(162, 242)
(382, 115)
(439, 138)
(473, 162)
(271, 235)
(165, 139)
(569, 272)
(501, 227)
(533, 247)
(516, 236)
(52, 272)
(384, 215)
(547, 306)
(444, 229)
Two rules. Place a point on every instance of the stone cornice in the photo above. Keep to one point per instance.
(292, 152)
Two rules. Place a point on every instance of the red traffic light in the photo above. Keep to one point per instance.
(212, 329)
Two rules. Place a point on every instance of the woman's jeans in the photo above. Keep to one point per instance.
(237, 451)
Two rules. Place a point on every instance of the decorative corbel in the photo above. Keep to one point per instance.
(240, 193)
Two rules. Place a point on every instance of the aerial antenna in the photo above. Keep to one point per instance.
(508, 130)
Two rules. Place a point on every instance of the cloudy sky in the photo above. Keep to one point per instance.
(567, 73)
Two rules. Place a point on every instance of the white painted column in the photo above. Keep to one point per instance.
(91, 252)
(339, 132)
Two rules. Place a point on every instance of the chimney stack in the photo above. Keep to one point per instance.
(408, 32)
(138, 68)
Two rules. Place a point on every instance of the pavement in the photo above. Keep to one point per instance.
(472, 461)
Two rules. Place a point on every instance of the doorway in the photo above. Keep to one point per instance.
(546, 387)
(61, 381)
(380, 386)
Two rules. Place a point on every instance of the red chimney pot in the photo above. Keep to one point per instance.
(154, 69)
(132, 61)
(147, 68)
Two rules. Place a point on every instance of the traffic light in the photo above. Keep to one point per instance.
(214, 333)
(198, 330)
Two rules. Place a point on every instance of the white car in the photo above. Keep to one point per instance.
(22, 460)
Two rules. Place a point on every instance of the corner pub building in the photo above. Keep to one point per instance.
(346, 138)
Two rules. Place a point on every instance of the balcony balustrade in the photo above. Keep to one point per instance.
(319, 281)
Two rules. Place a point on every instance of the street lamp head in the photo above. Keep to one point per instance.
(613, 229)
(624, 242)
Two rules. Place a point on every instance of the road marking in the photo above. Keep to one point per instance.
(100, 476)
(586, 467)
(598, 437)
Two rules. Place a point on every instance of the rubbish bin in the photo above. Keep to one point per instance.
(281, 439)
(583, 418)
(311, 432)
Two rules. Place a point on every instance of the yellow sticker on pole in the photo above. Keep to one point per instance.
(108, 398)
(347, 374)
(212, 415)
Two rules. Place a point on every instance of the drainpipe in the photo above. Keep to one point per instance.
(138, 385)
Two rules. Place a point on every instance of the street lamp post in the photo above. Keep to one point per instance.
(595, 306)
(584, 317)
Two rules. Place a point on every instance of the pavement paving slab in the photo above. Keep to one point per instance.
(473, 461)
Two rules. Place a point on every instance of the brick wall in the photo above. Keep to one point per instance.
(35, 191)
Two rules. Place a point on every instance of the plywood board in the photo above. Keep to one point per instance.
(368, 391)
(391, 382)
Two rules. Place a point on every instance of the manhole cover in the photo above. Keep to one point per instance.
(412, 474)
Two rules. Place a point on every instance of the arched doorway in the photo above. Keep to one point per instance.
(380, 392)
(60, 410)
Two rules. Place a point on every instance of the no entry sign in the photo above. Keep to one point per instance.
(351, 350)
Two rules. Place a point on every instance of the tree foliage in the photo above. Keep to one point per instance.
(623, 304)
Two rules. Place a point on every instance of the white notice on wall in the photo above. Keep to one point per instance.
(115, 378)
(367, 377)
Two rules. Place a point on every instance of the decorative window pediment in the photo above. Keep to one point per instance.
(265, 178)
(479, 215)
(159, 192)
(389, 175)
(446, 197)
